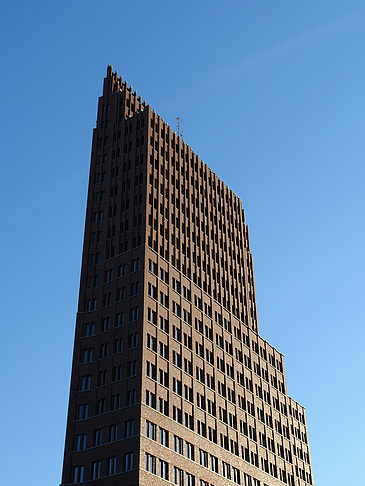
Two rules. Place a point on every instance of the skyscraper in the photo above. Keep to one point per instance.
(171, 380)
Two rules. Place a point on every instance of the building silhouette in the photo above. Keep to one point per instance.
(171, 380)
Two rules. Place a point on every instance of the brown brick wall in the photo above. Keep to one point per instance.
(167, 326)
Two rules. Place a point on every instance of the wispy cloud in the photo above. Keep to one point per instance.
(261, 58)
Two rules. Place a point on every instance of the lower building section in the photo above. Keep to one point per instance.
(171, 452)
(105, 455)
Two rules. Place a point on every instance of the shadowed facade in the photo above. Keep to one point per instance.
(171, 381)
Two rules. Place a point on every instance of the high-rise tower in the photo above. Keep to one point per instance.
(171, 381)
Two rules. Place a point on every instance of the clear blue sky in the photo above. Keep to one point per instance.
(272, 96)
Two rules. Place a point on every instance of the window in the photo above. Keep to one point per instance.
(163, 350)
(85, 382)
(186, 293)
(177, 414)
(120, 319)
(164, 300)
(129, 428)
(115, 402)
(152, 316)
(176, 359)
(188, 366)
(189, 451)
(214, 463)
(151, 430)
(200, 375)
(151, 342)
(136, 264)
(82, 411)
(88, 329)
(176, 308)
(134, 314)
(164, 324)
(107, 299)
(150, 463)
(177, 386)
(176, 285)
(249, 481)
(122, 270)
(163, 469)
(163, 377)
(100, 406)
(176, 333)
(117, 373)
(95, 468)
(113, 432)
(163, 406)
(104, 350)
(128, 461)
(132, 368)
(189, 479)
(98, 433)
(188, 393)
(92, 305)
(86, 355)
(152, 290)
(164, 437)
(78, 475)
(151, 370)
(112, 465)
(164, 275)
(118, 345)
(134, 288)
(203, 458)
(150, 399)
(105, 324)
(120, 295)
(236, 475)
(152, 266)
(178, 476)
(131, 397)
(133, 340)
(80, 442)
(178, 444)
(226, 470)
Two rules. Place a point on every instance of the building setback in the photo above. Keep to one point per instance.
(171, 381)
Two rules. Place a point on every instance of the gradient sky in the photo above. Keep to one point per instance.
(272, 97)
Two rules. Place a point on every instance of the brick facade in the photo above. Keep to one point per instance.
(171, 381)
